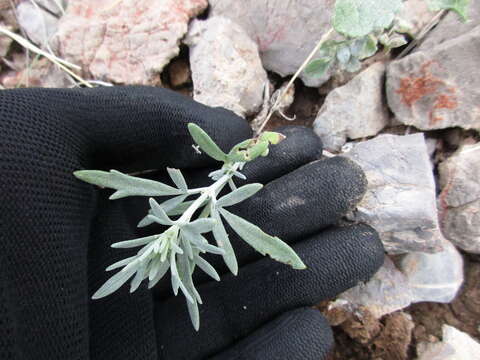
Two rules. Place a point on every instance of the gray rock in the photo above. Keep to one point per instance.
(285, 31)
(451, 26)
(226, 68)
(434, 277)
(400, 200)
(440, 87)
(38, 24)
(127, 42)
(459, 201)
(53, 6)
(417, 13)
(387, 291)
(353, 111)
(456, 345)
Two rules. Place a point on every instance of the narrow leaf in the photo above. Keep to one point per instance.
(146, 220)
(200, 226)
(262, 242)
(173, 203)
(121, 263)
(223, 241)
(159, 213)
(113, 284)
(125, 184)
(138, 278)
(177, 178)
(206, 267)
(194, 314)
(164, 266)
(206, 143)
(239, 195)
(134, 242)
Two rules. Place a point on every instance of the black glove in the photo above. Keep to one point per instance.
(56, 233)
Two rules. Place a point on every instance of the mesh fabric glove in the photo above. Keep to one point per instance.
(56, 233)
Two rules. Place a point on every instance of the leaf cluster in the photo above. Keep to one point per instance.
(363, 25)
(180, 249)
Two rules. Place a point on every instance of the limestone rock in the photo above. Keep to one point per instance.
(226, 67)
(38, 24)
(400, 201)
(438, 88)
(434, 277)
(285, 31)
(459, 201)
(387, 291)
(353, 111)
(452, 27)
(417, 13)
(455, 345)
(127, 41)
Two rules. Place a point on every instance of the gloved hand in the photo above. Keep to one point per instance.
(56, 233)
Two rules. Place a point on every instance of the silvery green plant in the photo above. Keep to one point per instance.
(361, 25)
(180, 247)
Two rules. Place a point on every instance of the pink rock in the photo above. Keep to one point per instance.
(127, 41)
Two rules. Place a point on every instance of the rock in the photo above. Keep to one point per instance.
(226, 68)
(353, 111)
(417, 13)
(434, 277)
(5, 43)
(438, 88)
(459, 201)
(127, 42)
(285, 31)
(179, 73)
(38, 24)
(451, 27)
(43, 73)
(455, 345)
(400, 201)
(53, 6)
(387, 291)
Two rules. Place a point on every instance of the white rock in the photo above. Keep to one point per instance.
(38, 24)
(126, 41)
(459, 201)
(285, 31)
(400, 201)
(355, 110)
(434, 277)
(456, 345)
(226, 67)
(387, 291)
(54, 6)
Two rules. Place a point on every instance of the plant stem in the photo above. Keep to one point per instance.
(294, 77)
(207, 192)
(422, 33)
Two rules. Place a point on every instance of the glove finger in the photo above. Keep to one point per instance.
(337, 259)
(120, 325)
(144, 127)
(301, 334)
(292, 207)
(131, 128)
